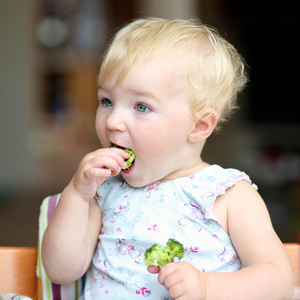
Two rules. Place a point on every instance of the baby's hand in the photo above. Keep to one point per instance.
(182, 280)
(95, 168)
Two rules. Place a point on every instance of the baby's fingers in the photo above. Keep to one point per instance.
(153, 269)
(172, 280)
(166, 271)
(99, 173)
(107, 159)
(103, 166)
(183, 281)
(93, 170)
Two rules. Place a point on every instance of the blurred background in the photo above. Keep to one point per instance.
(49, 57)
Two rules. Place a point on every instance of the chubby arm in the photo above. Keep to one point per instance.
(70, 238)
(267, 273)
(72, 233)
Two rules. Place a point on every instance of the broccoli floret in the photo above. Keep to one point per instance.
(159, 256)
(129, 161)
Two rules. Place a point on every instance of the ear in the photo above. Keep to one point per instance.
(205, 123)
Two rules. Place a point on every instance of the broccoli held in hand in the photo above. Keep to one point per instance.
(159, 256)
(129, 161)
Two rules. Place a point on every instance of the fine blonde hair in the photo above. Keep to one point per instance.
(214, 69)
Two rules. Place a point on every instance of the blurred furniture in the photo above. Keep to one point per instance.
(50, 290)
(18, 271)
(293, 251)
(22, 272)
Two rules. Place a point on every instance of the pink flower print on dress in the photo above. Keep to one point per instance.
(114, 214)
(192, 250)
(227, 258)
(128, 250)
(103, 266)
(124, 248)
(152, 186)
(190, 221)
(143, 291)
(194, 213)
(100, 278)
(152, 227)
(193, 205)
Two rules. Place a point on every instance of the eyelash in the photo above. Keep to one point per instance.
(108, 103)
(144, 106)
(104, 101)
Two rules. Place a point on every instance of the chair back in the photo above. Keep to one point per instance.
(18, 271)
(293, 251)
(48, 289)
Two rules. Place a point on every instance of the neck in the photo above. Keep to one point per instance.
(191, 162)
(200, 165)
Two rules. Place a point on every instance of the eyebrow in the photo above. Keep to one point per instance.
(99, 87)
(143, 93)
(146, 94)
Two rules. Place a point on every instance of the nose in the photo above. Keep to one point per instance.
(116, 121)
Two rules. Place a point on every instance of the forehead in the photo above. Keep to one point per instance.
(155, 74)
(186, 57)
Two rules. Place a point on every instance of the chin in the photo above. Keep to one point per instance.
(136, 182)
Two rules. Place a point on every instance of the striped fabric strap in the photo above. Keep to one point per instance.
(13, 296)
(50, 290)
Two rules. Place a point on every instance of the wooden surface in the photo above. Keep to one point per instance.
(18, 270)
(293, 251)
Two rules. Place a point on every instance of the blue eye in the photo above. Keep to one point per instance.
(142, 108)
(106, 102)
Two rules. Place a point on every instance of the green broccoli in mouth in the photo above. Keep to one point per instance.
(129, 161)
(159, 256)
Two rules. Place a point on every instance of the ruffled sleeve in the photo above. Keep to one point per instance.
(210, 183)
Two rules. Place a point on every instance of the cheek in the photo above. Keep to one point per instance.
(170, 137)
(100, 128)
(158, 139)
(146, 139)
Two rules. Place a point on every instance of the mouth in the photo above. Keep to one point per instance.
(130, 160)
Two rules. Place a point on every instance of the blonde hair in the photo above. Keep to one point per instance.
(215, 70)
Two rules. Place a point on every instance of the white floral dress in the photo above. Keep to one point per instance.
(136, 218)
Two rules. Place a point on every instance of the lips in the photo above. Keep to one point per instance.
(128, 171)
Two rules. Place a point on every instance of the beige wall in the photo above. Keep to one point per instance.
(169, 9)
(21, 81)
(16, 90)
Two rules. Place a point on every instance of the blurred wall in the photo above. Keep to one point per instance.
(41, 148)
(16, 90)
(28, 133)
(169, 9)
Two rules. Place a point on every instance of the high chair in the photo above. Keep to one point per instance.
(18, 270)
(293, 251)
(50, 290)
(18, 265)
